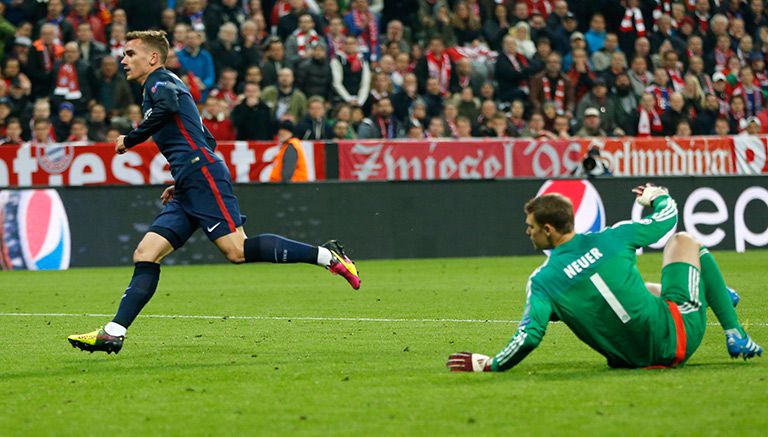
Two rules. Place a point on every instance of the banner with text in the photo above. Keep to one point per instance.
(507, 158)
(97, 164)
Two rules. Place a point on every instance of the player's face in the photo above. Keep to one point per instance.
(539, 235)
(138, 60)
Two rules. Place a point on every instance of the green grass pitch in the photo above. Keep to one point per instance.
(311, 356)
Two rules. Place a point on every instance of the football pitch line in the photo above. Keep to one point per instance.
(299, 318)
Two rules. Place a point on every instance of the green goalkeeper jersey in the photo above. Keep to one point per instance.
(592, 284)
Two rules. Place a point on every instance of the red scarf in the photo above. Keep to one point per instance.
(662, 96)
(355, 62)
(116, 48)
(721, 58)
(370, 35)
(441, 69)
(305, 40)
(663, 7)
(67, 84)
(649, 123)
(678, 83)
(627, 24)
(559, 95)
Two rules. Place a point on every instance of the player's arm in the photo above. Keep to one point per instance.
(165, 104)
(538, 312)
(654, 226)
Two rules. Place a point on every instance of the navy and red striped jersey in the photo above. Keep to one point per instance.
(172, 119)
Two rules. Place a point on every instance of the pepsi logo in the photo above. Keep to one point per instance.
(588, 209)
(35, 230)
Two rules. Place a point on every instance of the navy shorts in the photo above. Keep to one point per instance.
(203, 199)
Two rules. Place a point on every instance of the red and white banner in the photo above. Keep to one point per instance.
(97, 164)
(507, 158)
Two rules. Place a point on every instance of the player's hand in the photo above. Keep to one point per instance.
(120, 145)
(647, 193)
(469, 362)
(168, 193)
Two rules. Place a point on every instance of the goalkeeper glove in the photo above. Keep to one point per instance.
(647, 193)
(469, 362)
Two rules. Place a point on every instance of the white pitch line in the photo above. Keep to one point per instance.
(301, 318)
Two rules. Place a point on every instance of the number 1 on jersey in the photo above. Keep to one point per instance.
(609, 297)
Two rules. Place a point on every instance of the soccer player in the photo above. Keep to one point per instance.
(201, 197)
(591, 283)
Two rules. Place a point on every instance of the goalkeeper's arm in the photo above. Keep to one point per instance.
(654, 226)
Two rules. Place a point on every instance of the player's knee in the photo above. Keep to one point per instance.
(235, 256)
(685, 238)
(143, 255)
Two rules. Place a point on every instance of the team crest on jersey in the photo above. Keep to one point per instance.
(588, 209)
(35, 230)
(157, 84)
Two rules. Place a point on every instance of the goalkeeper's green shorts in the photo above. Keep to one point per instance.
(683, 290)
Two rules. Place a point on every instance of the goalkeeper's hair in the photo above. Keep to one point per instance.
(552, 209)
(155, 40)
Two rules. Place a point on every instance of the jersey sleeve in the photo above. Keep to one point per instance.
(536, 316)
(165, 103)
(651, 228)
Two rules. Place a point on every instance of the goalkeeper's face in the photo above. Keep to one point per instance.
(541, 236)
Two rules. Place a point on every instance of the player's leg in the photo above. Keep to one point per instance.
(721, 300)
(218, 213)
(655, 289)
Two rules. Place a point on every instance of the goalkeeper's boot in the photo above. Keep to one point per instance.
(740, 345)
(735, 298)
(97, 341)
(341, 264)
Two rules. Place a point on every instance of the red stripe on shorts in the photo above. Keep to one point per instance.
(219, 200)
(184, 132)
(680, 331)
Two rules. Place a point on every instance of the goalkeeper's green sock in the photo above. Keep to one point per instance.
(716, 291)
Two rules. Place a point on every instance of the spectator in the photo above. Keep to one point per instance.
(646, 122)
(82, 12)
(46, 52)
(516, 116)
(7, 31)
(98, 125)
(179, 37)
(41, 132)
(511, 72)
(198, 61)
(402, 100)
(341, 131)
(226, 51)
(639, 76)
(750, 89)
(55, 17)
(696, 69)
(577, 43)
(669, 60)
(437, 23)
(13, 133)
(168, 21)
(561, 127)
(433, 98)
(192, 82)
(437, 64)
(290, 164)
(693, 95)
(737, 115)
(79, 131)
(273, 63)
(314, 125)
(580, 74)
(417, 113)
(351, 74)
(251, 118)
(718, 58)
(12, 72)
(625, 102)
(467, 76)
(290, 22)
(198, 19)
(497, 26)
(664, 33)
(381, 88)
(599, 99)
(396, 34)
(660, 89)
(225, 11)
(302, 41)
(335, 37)
(553, 86)
(480, 126)
(112, 135)
(17, 97)
(6, 110)
(225, 88)
(252, 38)
(74, 79)
(284, 100)
(753, 126)
(683, 129)
(252, 75)
(704, 124)
(463, 128)
(591, 127)
(601, 59)
(364, 24)
(215, 115)
(382, 123)
(436, 129)
(674, 113)
(117, 41)
(596, 34)
(112, 89)
(722, 126)
(41, 109)
(415, 132)
(466, 23)
(535, 128)
(91, 51)
(313, 75)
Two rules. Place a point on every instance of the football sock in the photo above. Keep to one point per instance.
(324, 257)
(276, 249)
(716, 291)
(139, 291)
(113, 328)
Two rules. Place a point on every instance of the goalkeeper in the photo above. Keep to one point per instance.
(592, 284)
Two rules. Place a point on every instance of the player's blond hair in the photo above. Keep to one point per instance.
(552, 209)
(156, 40)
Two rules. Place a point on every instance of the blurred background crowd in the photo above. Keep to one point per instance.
(344, 69)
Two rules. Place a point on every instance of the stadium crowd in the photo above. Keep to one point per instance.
(343, 69)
